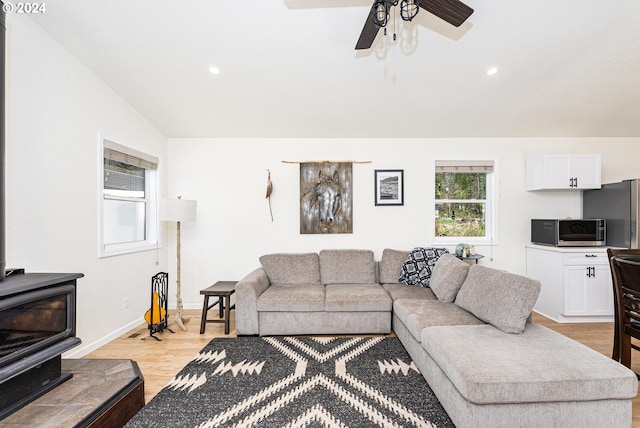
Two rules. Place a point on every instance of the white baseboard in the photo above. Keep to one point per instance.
(85, 349)
(191, 306)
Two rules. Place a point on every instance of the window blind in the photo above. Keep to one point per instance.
(464, 166)
(124, 168)
(118, 153)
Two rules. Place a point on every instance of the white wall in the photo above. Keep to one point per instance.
(228, 179)
(56, 108)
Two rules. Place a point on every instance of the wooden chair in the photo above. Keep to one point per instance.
(625, 272)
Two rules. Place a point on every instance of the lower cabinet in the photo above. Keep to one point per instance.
(576, 283)
(587, 290)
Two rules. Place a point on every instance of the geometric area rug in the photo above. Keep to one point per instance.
(296, 382)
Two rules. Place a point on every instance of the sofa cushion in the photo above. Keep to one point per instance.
(447, 277)
(356, 298)
(504, 300)
(488, 366)
(391, 265)
(403, 291)
(418, 314)
(292, 298)
(347, 267)
(419, 264)
(286, 269)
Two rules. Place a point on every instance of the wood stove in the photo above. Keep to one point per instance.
(37, 324)
(37, 311)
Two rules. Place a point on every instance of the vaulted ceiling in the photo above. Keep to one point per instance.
(288, 68)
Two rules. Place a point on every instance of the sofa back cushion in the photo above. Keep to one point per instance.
(292, 269)
(502, 299)
(447, 277)
(347, 267)
(391, 265)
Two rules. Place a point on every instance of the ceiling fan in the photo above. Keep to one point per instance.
(452, 11)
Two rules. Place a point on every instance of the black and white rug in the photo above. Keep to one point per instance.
(297, 382)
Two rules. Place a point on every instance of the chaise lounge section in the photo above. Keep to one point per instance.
(489, 366)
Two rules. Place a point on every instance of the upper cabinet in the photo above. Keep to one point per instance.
(563, 172)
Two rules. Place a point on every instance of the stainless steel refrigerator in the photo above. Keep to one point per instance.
(618, 204)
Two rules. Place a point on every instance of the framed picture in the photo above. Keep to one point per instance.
(326, 199)
(389, 186)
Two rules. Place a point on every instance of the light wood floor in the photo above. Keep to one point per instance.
(160, 361)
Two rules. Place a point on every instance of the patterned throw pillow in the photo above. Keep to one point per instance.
(417, 269)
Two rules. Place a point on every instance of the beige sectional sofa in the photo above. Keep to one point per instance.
(469, 334)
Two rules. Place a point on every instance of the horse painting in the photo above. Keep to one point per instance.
(325, 201)
(328, 195)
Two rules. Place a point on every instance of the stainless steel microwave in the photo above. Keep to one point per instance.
(569, 232)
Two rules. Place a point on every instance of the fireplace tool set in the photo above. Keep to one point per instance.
(157, 315)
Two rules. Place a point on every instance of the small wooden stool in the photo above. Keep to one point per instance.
(221, 290)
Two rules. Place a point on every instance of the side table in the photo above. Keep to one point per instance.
(223, 291)
(474, 257)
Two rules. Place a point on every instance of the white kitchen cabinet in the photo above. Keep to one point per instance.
(587, 290)
(563, 171)
(575, 283)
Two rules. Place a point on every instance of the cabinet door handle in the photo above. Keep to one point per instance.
(591, 272)
(591, 255)
(575, 182)
(571, 182)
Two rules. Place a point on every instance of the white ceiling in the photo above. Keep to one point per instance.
(289, 68)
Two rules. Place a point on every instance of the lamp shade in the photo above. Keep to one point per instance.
(178, 210)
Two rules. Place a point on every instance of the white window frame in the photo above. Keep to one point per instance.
(491, 212)
(152, 187)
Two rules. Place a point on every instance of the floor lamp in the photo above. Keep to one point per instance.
(178, 210)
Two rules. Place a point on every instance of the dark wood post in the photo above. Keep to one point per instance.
(3, 263)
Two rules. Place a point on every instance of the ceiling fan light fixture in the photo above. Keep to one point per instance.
(409, 9)
(381, 17)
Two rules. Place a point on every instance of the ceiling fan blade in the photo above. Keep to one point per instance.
(369, 32)
(453, 11)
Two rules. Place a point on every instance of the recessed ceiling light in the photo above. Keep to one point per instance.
(214, 70)
(492, 71)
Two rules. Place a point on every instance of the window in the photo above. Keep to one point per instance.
(129, 210)
(464, 201)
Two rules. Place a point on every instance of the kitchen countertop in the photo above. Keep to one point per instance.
(568, 249)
